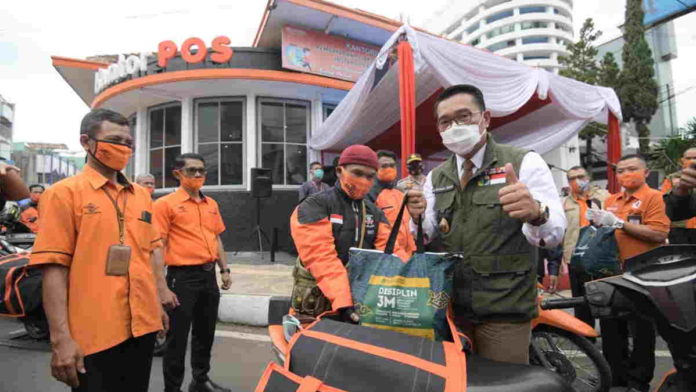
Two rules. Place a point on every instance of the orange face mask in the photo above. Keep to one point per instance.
(192, 183)
(686, 163)
(355, 187)
(386, 174)
(632, 180)
(151, 190)
(35, 197)
(115, 156)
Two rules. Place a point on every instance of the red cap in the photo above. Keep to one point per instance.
(357, 154)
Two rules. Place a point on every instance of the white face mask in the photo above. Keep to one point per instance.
(461, 139)
(583, 185)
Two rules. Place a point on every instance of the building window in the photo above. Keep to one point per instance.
(284, 128)
(501, 30)
(165, 142)
(561, 12)
(473, 27)
(476, 42)
(220, 139)
(532, 10)
(534, 40)
(499, 16)
(536, 57)
(501, 45)
(327, 109)
(534, 25)
(561, 26)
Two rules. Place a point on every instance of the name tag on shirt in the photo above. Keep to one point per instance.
(494, 176)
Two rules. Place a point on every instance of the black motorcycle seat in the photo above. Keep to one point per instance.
(485, 375)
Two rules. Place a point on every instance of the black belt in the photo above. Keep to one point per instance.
(209, 266)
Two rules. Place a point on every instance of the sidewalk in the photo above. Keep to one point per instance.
(254, 282)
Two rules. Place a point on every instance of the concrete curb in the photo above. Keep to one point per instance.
(244, 309)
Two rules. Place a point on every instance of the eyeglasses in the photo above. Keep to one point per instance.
(192, 171)
(460, 119)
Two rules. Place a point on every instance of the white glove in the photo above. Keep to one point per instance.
(603, 218)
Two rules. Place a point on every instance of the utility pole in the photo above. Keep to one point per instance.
(669, 108)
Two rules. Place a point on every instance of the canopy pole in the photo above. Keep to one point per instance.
(613, 152)
(407, 100)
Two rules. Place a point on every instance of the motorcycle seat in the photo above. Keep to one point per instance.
(485, 375)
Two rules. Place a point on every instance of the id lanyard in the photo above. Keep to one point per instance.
(120, 215)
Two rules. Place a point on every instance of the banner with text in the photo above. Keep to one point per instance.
(314, 52)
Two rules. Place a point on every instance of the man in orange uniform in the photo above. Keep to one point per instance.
(29, 216)
(639, 217)
(190, 224)
(683, 231)
(101, 261)
(389, 199)
(326, 225)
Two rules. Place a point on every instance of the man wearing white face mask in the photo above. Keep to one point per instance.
(476, 204)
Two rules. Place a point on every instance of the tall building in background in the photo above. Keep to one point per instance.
(6, 124)
(528, 31)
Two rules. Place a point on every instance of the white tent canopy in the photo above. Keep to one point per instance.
(369, 110)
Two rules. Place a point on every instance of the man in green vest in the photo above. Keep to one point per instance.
(479, 208)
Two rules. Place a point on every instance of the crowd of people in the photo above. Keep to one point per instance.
(148, 267)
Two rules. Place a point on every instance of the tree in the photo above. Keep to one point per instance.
(581, 65)
(638, 88)
(609, 72)
(666, 155)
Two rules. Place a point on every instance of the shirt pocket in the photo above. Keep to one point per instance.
(488, 211)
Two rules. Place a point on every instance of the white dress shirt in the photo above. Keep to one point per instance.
(535, 173)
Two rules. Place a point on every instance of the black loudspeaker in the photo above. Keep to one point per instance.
(261, 183)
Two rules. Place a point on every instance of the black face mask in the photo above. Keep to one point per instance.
(415, 170)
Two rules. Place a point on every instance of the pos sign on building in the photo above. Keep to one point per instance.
(192, 51)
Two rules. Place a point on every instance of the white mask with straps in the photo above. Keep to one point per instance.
(461, 139)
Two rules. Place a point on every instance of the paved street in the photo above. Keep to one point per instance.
(240, 354)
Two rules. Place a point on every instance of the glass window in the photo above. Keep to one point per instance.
(534, 40)
(534, 25)
(473, 27)
(561, 12)
(284, 133)
(561, 26)
(220, 139)
(499, 16)
(328, 109)
(501, 45)
(501, 30)
(531, 10)
(536, 57)
(476, 42)
(165, 142)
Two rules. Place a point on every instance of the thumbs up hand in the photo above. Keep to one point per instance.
(516, 199)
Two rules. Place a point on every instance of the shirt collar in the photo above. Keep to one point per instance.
(97, 180)
(181, 195)
(477, 159)
(639, 194)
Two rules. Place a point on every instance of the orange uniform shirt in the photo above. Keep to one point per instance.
(645, 207)
(389, 201)
(78, 225)
(191, 228)
(30, 218)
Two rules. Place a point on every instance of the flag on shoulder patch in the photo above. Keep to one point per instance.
(335, 218)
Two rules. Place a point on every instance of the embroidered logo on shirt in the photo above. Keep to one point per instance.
(91, 209)
(180, 209)
(335, 218)
(493, 176)
(636, 204)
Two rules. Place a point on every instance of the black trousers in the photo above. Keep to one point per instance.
(199, 297)
(125, 367)
(635, 367)
(578, 277)
(678, 235)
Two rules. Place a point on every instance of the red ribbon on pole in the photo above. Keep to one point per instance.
(613, 152)
(407, 101)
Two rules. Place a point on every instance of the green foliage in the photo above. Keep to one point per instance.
(666, 156)
(580, 64)
(638, 89)
(609, 72)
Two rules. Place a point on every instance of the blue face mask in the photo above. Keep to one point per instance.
(318, 174)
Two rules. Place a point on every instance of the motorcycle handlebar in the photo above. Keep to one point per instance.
(562, 303)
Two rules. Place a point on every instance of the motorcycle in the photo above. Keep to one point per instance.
(659, 285)
(561, 343)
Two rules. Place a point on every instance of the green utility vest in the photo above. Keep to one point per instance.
(496, 279)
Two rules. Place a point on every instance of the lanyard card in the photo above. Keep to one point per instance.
(117, 260)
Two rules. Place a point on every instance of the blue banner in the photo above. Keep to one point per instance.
(658, 11)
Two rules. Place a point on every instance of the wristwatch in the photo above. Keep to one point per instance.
(619, 224)
(543, 215)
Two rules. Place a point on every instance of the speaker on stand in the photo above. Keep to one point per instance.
(261, 188)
